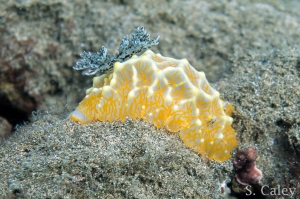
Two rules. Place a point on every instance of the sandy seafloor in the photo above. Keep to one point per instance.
(249, 51)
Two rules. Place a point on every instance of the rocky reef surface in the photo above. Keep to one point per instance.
(249, 50)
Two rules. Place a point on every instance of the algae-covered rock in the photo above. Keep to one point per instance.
(55, 158)
(105, 160)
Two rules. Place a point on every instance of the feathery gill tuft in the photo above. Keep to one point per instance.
(99, 62)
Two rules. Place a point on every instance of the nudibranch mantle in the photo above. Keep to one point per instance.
(168, 93)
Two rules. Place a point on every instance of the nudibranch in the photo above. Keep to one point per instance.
(168, 93)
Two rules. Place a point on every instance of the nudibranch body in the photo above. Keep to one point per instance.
(168, 93)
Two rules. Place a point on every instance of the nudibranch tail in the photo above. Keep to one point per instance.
(79, 116)
(168, 93)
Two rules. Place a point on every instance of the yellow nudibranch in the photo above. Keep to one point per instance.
(168, 93)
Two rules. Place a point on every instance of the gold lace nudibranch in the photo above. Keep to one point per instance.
(165, 92)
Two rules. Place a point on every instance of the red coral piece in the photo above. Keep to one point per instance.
(245, 166)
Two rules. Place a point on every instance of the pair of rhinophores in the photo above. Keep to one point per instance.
(166, 92)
